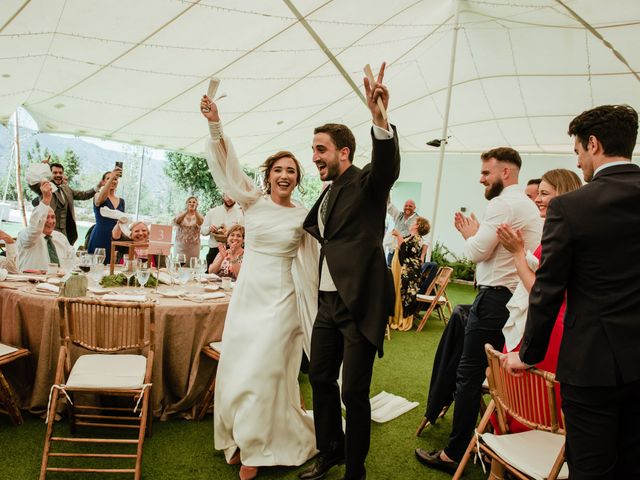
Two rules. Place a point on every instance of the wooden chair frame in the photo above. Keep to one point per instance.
(8, 398)
(437, 289)
(106, 328)
(211, 387)
(529, 398)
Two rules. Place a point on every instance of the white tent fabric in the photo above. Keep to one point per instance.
(133, 71)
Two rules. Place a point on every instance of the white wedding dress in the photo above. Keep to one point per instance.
(257, 399)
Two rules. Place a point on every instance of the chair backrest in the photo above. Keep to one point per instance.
(530, 397)
(106, 327)
(440, 282)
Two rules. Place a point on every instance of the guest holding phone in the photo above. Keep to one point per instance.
(106, 197)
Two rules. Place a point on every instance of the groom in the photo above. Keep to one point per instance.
(356, 288)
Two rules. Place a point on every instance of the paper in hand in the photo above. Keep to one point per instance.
(213, 87)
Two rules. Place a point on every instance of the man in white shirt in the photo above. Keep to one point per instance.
(402, 220)
(497, 278)
(218, 220)
(9, 262)
(40, 244)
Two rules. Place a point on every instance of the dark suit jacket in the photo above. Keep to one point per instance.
(352, 241)
(591, 248)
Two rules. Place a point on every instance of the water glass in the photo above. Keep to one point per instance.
(96, 273)
(184, 275)
(172, 269)
(142, 274)
(99, 254)
(182, 259)
(130, 269)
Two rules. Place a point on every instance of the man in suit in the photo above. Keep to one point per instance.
(590, 249)
(356, 288)
(62, 202)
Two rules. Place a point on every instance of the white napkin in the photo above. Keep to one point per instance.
(164, 277)
(54, 280)
(3, 274)
(205, 296)
(15, 277)
(98, 290)
(36, 172)
(386, 406)
(114, 297)
(210, 276)
(114, 214)
(211, 288)
(47, 287)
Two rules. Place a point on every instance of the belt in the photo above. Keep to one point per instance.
(491, 287)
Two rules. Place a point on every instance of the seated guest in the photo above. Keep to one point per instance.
(139, 233)
(229, 259)
(40, 244)
(10, 261)
(407, 273)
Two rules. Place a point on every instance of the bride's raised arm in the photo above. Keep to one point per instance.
(223, 161)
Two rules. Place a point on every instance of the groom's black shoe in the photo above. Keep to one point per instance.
(322, 465)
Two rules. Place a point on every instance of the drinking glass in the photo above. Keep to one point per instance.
(129, 268)
(182, 259)
(172, 269)
(86, 260)
(99, 254)
(184, 275)
(97, 272)
(142, 274)
(202, 267)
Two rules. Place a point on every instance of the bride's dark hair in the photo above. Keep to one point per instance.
(268, 165)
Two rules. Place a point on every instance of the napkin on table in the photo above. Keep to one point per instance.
(114, 297)
(47, 287)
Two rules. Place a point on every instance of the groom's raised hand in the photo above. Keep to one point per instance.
(373, 92)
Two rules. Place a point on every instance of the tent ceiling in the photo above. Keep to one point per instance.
(134, 71)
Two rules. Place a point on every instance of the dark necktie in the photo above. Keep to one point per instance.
(51, 248)
(324, 205)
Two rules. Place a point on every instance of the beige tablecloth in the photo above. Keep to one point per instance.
(30, 319)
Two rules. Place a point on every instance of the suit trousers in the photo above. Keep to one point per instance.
(487, 316)
(603, 431)
(336, 340)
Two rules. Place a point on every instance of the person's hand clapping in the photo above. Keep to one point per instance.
(373, 92)
(467, 226)
(223, 250)
(209, 109)
(512, 240)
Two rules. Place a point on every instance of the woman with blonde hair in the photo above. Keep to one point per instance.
(187, 225)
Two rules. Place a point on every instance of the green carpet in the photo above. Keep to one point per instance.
(182, 449)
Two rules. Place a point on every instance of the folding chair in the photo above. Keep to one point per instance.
(531, 400)
(211, 350)
(436, 296)
(97, 339)
(8, 398)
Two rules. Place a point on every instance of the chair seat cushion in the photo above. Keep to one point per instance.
(217, 346)
(108, 371)
(430, 298)
(533, 452)
(6, 349)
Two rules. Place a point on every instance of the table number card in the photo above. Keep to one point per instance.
(160, 239)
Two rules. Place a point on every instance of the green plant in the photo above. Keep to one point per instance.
(463, 268)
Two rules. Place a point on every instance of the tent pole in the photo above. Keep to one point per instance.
(18, 174)
(445, 123)
(139, 182)
(10, 167)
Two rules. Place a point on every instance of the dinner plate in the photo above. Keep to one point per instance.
(99, 290)
(211, 288)
(171, 293)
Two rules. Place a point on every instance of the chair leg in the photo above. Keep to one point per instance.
(49, 433)
(422, 426)
(206, 402)
(426, 316)
(141, 434)
(557, 465)
(472, 444)
(9, 398)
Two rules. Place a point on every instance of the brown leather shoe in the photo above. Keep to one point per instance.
(248, 473)
(433, 460)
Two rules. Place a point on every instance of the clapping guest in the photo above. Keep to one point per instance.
(40, 244)
(188, 230)
(10, 261)
(411, 253)
(106, 197)
(229, 260)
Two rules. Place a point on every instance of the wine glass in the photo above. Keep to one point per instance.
(184, 275)
(182, 259)
(172, 269)
(142, 274)
(86, 260)
(129, 268)
(201, 267)
(97, 272)
(193, 265)
(99, 254)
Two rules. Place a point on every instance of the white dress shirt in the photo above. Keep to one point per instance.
(494, 263)
(32, 246)
(10, 261)
(221, 215)
(326, 282)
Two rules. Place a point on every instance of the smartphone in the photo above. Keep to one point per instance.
(119, 165)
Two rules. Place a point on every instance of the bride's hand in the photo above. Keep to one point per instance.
(209, 109)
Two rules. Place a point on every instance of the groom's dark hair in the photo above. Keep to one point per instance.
(341, 136)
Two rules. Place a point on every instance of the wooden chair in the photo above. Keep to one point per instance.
(436, 296)
(97, 341)
(212, 350)
(8, 398)
(531, 400)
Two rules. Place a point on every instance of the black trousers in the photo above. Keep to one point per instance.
(336, 340)
(603, 431)
(487, 316)
(211, 255)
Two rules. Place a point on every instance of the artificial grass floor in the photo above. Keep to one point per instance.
(182, 449)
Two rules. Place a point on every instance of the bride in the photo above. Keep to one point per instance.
(257, 415)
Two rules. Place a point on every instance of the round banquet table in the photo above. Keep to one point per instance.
(29, 318)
